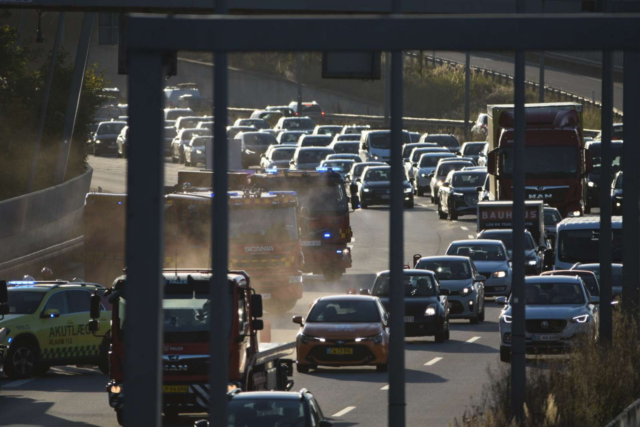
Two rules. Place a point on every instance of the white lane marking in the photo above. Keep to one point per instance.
(385, 387)
(433, 361)
(470, 236)
(474, 339)
(464, 228)
(18, 383)
(343, 412)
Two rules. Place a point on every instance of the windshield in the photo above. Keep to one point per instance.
(445, 168)
(289, 137)
(257, 226)
(553, 293)
(329, 130)
(347, 147)
(382, 140)
(313, 156)
(325, 199)
(468, 179)
(315, 141)
(448, 141)
(190, 123)
(301, 124)
(266, 413)
(547, 161)
(259, 139)
(414, 286)
(256, 123)
(431, 161)
(418, 152)
(619, 182)
(596, 159)
(507, 240)
(24, 302)
(345, 311)
(551, 218)
(584, 246)
(110, 128)
(200, 141)
(190, 133)
(344, 166)
(349, 137)
(479, 252)
(473, 149)
(378, 175)
(175, 114)
(447, 270)
(283, 154)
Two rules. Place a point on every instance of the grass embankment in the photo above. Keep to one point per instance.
(590, 388)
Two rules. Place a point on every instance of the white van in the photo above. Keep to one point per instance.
(375, 145)
(578, 241)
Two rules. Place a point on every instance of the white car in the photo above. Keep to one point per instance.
(558, 310)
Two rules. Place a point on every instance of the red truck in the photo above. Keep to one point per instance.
(186, 317)
(324, 207)
(554, 154)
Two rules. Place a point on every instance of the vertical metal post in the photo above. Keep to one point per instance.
(467, 94)
(396, 251)
(631, 187)
(21, 27)
(79, 69)
(299, 74)
(606, 324)
(219, 342)
(541, 79)
(144, 252)
(45, 104)
(434, 59)
(518, 362)
(387, 86)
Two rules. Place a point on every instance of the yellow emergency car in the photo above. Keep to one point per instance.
(47, 325)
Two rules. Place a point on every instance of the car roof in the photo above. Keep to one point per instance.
(445, 258)
(552, 279)
(267, 395)
(348, 297)
(120, 122)
(477, 242)
(568, 272)
(308, 135)
(595, 264)
(471, 172)
(315, 149)
(46, 286)
(443, 153)
(378, 167)
(410, 271)
(500, 231)
(587, 222)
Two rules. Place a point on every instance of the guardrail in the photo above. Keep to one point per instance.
(630, 417)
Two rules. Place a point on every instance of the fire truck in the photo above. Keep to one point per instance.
(186, 324)
(324, 207)
(554, 160)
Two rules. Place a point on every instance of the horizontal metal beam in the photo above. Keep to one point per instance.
(387, 33)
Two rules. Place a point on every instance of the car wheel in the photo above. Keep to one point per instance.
(441, 336)
(354, 202)
(435, 199)
(420, 192)
(448, 331)
(120, 416)
(182, 158)
(302, 369)
(173, 158)
(186, 163)
(481, 314)
(475, 319)
(382, 368)
(587, 209)
(363, 205)
(409, 204)
(22, 360)
(453, 215)
(441, 213)
(505, 354)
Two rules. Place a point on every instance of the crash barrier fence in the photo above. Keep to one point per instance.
(506, 78)
(43, 226)
(630, 417)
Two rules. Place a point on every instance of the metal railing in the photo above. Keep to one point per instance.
(149, 37)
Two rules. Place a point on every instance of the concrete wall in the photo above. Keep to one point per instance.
(37, 221)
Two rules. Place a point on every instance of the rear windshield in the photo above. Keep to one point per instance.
(313, 108)
(286, 137)
(315, 141)
(473, 149)
(348, 148)
(312, 156)
(414, 286)
(468, 179)
(344, 166)
(282, 154)
(382, 140)
(551, 217)
(259, 139)
(553, 293)
(430, 161)
(416, 154)
(329, 130)
(200, 142)
(447, 270)
(256, 123)
(479, 252)
(170, 132)
(346, 311)
(507, 240)
(190, 133)
(448, 141)
(110, 128)
(177, 113)
(444, 169)
(299, 124)
(349, 137)
(378, 175)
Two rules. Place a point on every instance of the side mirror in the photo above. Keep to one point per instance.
(501, 300)
(416, 258)
(594, 300)
(479, 189)
(480, 278)
(292, 162)
(542, 248)
(444, 291)
(256, 306)
(298, 320)
(431, 175)
(446, 184)
(50, 313)
(94, 325)
(358, 180)
(492, 162)
(415, 165)
(94, 307)
(257, 325)
(325, 424)
(365, 292)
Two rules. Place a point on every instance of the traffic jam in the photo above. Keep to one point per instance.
(297, 181)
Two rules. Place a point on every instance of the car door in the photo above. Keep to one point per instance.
(55, 334)
(86, 345)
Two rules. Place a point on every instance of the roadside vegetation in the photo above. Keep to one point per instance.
(21, 96)
(590, 388)
(429, 91)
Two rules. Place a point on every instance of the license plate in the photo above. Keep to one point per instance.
(408, 319)
(310, 243)
(546, 337)
(175, 389)
(266, 296)
(385, 197)
(340, 351)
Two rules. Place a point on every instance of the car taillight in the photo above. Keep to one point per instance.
(296, 113)
(171, 104)
(323, 113)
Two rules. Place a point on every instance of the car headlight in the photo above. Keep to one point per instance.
(377, 339)
(304, 339)
(98, 141)
(344, 252)
(458, 194)
(431, 310)
(366, 190)
(439, 183)
(467, 290)
(424, 175)
(375, 157)
(591, 184)
(408, 190)
(499, 274)
(506, 319)
(532, 262)
(199, 151)
(580, 319)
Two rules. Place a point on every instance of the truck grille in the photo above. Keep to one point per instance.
(546, 194)
(552, 326)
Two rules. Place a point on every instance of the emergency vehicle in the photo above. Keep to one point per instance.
(253, 366)
(46, 324)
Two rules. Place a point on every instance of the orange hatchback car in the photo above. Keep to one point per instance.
(343, 330)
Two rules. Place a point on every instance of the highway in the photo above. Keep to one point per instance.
(441, 378)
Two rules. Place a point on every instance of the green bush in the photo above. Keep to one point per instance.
(590, 387)
(21, 95)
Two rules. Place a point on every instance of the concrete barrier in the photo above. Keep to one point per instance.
(35, 225)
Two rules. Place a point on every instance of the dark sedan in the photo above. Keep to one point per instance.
(374, 187)
(458, 195)
(104, 140)
(253, 145)
(352, 176)
(426, 305)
